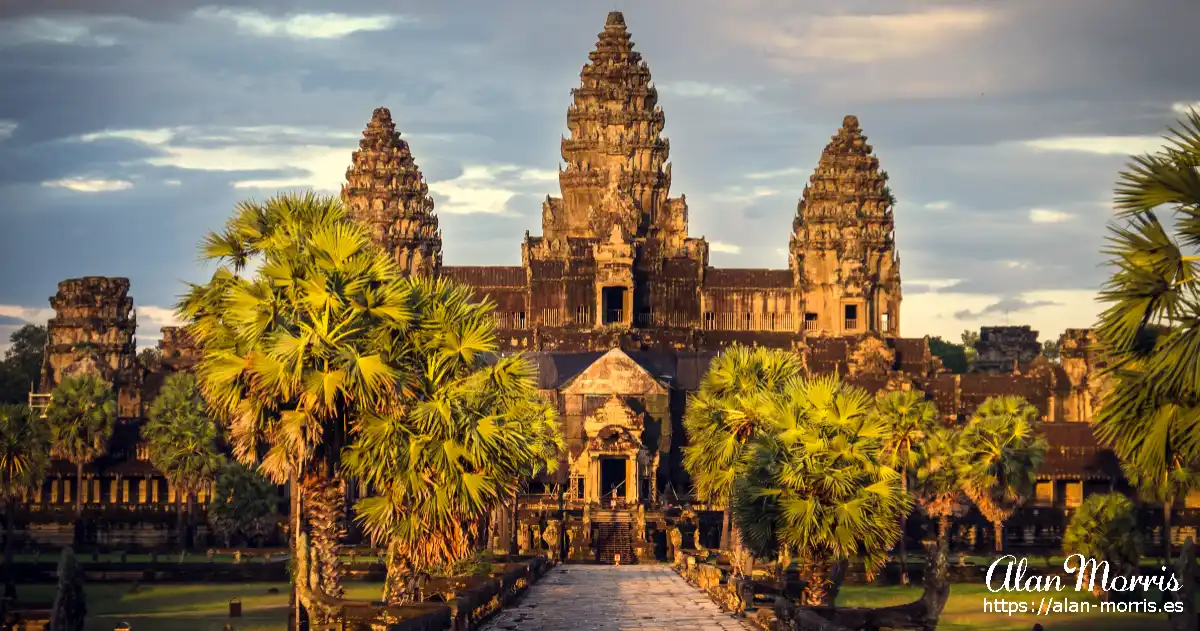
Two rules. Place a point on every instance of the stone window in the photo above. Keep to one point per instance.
(54, 492)
(1045, 493)
(1074, 494)
(772, 320)
(66, 493)
(125, 491)
(581, 315)
(884, 320)
(851, 317)
(749, 321)
(141, 491)
(154, 491)
(710, 320)
(810, 321)
(95, 490)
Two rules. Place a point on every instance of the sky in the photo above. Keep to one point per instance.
(129, 128)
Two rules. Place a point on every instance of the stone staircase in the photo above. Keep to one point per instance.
(614, 537)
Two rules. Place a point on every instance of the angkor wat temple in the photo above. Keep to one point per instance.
(622, 312)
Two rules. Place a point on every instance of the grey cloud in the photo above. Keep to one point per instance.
(10, 321)
(490, 85)
(1005, 306)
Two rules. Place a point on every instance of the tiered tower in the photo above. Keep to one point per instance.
(616, 170)
(386, 192)
(92, 333)
(843, 252)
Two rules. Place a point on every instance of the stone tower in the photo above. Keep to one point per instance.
(843, 253)
(616, 170)
(386, 192)
(92, 333)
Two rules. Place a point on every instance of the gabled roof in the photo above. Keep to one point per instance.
(617, 373)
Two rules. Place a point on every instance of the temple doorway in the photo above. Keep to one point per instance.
(612, 477)
(613, 304)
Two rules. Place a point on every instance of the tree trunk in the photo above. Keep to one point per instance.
(998, 526)
(324, 517)
(944, 525)
(512, 546)
(903, 531)
(1167, 506)
(10, 529)
(816, 579)
(296, 613)
(191, 520)
(726, 527)
(180, 524)
(79, 536)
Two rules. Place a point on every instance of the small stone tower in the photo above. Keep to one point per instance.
(386, 192)
(92, 333)
(843, 252)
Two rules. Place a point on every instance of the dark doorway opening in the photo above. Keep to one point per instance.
(851, 317)
(613, 303)
(612, 477)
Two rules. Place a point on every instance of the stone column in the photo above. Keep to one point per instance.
(592, 483)
(631, 479)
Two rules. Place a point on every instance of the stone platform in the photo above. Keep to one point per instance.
(614, 598)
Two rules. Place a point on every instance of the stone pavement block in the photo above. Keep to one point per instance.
(614, 598)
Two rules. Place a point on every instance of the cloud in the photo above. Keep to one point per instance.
(863, 39)
(80, 185)
(1004, 306)
(702, 90)
(1099, 145)
(1048, 215)
(154, 318)
(60, 30)
(1185, 108)
(779, 173)
(7, 128)
(933, 285)
(312, 158)
(18, 315)
(942, 205)
(302, 25)
(486, 189)
(724, 248)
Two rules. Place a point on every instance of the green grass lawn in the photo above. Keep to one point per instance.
(965, 610)
(187, 607)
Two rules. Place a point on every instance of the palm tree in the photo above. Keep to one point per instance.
(817, 484)
(1149, 332)
(244, 503)
(1000, 451)
(721, 418)
(296, 350)
(1105, 528)
(81, 415)
(471, 431)
(936, 484)
(24, 457)
(183, 442)
(910, 420)
(1181, 479)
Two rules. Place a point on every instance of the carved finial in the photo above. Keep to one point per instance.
(381, 115)
(850, 123)
(615, 18)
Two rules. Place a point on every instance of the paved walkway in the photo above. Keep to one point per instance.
(614, 598)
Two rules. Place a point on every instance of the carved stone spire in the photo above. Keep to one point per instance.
(615, 125)
(842, 250)
(386, 192)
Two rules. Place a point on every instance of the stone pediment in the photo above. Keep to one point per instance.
(615, 373)
(614, 414)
